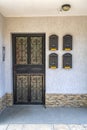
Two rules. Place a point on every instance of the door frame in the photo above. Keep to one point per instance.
(13, 36)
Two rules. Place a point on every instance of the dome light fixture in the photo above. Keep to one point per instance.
(66, 7)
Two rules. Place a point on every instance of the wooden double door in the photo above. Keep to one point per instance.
(29, 68)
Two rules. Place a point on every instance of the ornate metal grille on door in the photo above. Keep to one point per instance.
(21, 50)
(36, 88)
(28, 68)
(36, 50)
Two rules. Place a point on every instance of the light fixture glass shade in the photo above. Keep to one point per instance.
(66, 7)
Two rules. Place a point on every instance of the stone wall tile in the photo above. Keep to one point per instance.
(68, 100)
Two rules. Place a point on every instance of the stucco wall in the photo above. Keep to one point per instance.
(59, 80)
(2, 78)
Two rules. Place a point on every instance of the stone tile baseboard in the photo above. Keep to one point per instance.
(9, 99)
(2, 103)
(6, 100)
(52, 100)
(67, 100)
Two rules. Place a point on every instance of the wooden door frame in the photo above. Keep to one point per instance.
(13, 36)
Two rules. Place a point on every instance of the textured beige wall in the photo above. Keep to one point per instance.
(57, 81)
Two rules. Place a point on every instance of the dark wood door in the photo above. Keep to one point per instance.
(29, 68)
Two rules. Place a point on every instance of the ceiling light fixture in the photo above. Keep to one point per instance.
(66, 7)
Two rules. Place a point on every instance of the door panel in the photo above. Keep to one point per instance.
(28, 68)
(36, 88)
(36, 50)
(21, 50)
(22, 88)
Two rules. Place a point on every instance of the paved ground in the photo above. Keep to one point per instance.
(39, 118)
(37, 114)
(42, 127)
